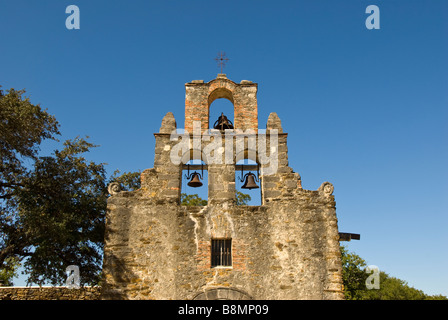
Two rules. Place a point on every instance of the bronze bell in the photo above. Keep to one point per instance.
(194, 182)
(223, 123)
(250, 181)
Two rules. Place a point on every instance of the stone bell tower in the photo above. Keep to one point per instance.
(286, 248)
(199, 96)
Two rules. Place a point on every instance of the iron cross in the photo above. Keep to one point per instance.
(221, 59)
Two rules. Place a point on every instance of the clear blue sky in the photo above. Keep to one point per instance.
(364, 109)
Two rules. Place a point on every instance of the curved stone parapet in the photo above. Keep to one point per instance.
(326, 188)
(114, 188)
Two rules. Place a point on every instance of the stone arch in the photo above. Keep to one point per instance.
(219, 93)
(191, 154)
(249, 154)
(218, 107)
(200, 95)
(222, 293)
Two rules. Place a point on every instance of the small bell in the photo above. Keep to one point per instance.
(249, 182)
(194, 182)
(223, 123)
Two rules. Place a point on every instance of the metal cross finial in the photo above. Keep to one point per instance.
(221, 59)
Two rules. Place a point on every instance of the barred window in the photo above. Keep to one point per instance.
(221, 253)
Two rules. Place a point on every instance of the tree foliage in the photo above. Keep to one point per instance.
(354, 277)
(195, 200)
(51, 208)
(353, 274)
(191, 200)
(129, 181)
(61, 211)
(9, 271)
(242, 198)
(23, 126)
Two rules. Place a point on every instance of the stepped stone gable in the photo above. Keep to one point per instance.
(286, 248)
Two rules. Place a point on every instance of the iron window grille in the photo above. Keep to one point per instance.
(221, 253)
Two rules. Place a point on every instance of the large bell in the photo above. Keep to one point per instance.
(194, 182)
(250, 182)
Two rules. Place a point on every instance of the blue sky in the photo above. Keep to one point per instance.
(363, 109)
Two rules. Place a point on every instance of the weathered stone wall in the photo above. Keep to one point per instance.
(280, 251)
(49, 293)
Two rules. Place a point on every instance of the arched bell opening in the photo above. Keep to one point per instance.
(247, 182)
(221, 110)
(194, 186)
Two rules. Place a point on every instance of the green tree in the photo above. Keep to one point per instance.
(242, 198)
(354, 277)
(129, 181)
(392, 288)
(9, 271)
(51, 208)
(195, 200)
(23, 126)
(191, 200)
(60, 212)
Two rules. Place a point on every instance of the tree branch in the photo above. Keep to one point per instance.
(11, 185)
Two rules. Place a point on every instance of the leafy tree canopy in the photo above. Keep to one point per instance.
(191, 200)
(242, 199)
(354, 277)
(129, 181)
(51, 208)
(60, 213)
(195, 200)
